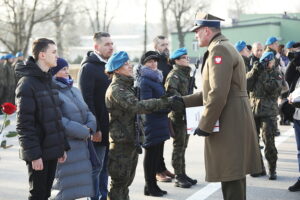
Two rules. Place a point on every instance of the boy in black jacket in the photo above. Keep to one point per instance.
(41, 134)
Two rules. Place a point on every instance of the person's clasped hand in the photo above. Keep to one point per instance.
(177, 103)
(199, 132)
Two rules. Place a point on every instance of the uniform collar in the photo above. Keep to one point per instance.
(184, 69)
(123, 80)
(215, 40)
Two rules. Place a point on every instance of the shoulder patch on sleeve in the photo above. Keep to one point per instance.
(218, 59)
(175, 76)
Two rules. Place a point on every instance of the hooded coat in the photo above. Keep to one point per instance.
(39, 119)
(156, 124)
(93, 84)
(73, 178)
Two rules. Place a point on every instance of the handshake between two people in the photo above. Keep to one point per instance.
(177, 104)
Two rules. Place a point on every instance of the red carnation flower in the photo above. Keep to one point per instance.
(8, 108)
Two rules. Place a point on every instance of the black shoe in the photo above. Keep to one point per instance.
(192, 181)
(152, 191)
(273, 176)
(295, 187)
(263, 173)
(180, 181)
(160, 190)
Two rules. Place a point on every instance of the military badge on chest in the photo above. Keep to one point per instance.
(218, 59)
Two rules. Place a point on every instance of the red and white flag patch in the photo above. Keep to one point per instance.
(218, 59)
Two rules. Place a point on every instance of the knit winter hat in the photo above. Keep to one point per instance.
(61, 63)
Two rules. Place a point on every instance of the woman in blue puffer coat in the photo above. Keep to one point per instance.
(73, 178)
(156, 125)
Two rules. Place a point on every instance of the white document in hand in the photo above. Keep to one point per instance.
(193, 117)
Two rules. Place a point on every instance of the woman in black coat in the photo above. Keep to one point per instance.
(156, 125)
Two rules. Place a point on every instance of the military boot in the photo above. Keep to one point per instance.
(295, 187)
(192, 181)
(272, 175)
(180, 181)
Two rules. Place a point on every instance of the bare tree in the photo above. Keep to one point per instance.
(97, 21)
(165, 5)
(145, 27)
(184, 11)
(62, 17)
(19, 20)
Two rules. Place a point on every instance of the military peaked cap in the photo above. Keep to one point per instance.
(205, 19)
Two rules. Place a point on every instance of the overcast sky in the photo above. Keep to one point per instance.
(133, 10)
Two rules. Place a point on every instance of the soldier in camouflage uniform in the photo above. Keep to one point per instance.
(241, 47)
(3, 81)
(177, 83)
(10, 85)
(123, 106)
(273, 46)
(264, 84)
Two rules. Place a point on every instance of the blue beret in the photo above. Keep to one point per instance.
(61, 63)
(177, 53)
(9, 56)
(240, 45)
(116, 61)
(267, 56)
(19, 54)
(271, 40)
(289, 44)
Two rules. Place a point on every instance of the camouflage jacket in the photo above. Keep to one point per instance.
(123, 106)
(265, 87)
(177, 83)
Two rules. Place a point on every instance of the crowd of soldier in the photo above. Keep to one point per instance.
(7, 76)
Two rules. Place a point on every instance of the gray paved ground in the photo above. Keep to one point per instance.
(13, 175)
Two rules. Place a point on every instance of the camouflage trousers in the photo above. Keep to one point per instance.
(268, 129)
(180, 142)
(122, 162)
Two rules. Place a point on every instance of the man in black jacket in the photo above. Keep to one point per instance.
(93, 84)
(41, 133)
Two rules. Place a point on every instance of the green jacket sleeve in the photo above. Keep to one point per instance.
(127, 101)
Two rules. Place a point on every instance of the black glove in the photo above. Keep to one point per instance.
(176, 103)
(199, 132)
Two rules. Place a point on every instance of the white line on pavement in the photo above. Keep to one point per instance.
(205, 192)
(211, 188)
